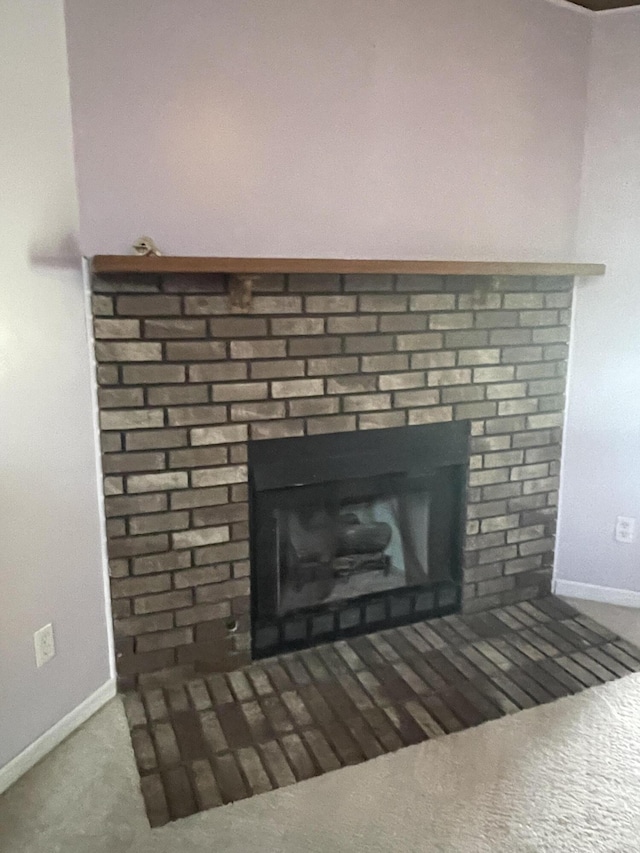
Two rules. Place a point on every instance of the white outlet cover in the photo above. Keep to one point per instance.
(44, 643)
(625, 531)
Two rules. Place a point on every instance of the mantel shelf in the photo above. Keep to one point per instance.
(135, 264)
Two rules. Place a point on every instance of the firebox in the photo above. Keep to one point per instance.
(354, 532)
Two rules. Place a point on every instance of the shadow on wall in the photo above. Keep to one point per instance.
(65, 256)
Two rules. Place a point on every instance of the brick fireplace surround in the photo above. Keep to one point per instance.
(184, 383)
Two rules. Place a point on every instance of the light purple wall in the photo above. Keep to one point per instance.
(601, 470)
(345, 128)
(51, 567)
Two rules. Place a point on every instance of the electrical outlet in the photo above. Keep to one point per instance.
(45, 644)
(625, 529)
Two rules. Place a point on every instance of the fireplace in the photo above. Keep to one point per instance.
(353, 532)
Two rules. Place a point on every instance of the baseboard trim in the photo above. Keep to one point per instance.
(593, 592)
(19, 765)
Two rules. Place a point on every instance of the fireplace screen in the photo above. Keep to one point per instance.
(328, 552)
(354, 532)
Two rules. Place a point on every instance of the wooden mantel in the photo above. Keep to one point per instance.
(134, 264)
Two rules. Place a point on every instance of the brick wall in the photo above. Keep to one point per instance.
(184, 383)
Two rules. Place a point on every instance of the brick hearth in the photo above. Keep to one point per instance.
(184, 383)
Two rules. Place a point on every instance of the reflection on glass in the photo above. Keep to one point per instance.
(331, 553)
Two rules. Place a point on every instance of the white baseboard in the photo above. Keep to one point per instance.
(19, 765)
(592, 592)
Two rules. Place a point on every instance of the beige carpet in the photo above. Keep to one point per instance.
(562, 777)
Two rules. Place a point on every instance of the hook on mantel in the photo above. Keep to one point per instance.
(241, 292)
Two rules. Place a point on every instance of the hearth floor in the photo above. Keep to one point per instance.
(224, 737)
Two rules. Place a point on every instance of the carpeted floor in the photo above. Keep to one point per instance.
(560, 778)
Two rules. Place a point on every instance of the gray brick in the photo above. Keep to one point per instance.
(499, 523)
(493, 374)
(436, 414)
(236, 392)
(257, 411)
(192, 415)
(351, 384)
(463, 393)
(535, 371)
(428, 360)
(381, 420)
(420, 283)
(545, 484)
(277, 429)
(472, 357)
(202, 575)
(306, 407)
(456, 320)
(206, 305)
(487, 444)
(202, 613)
(502, 490)
(102, 306)
(538, 546)
(107, 374)
(161, 482)
(402, 322)
(433, 302)
(224, 372)
(165, 640)
(499, 426)
(557, 335)
(517, 407)
(201, 536)
(486, 509)
(277, 369)
(538, 318)
(449, 377)
(351, 325)
(199, 498)
(368, 283)
(383, 303)
(166, 562)
(514, 337)
(337, 423)
(116, 328)
(132, 546)
(526, 564)
(130, 505)
(525, 534)
(420, 341)
(120, 419)
(506, 390)
(368, 343)
(276, 305)
(197, 350)
(136, 625)
(127, 587)
(383, 363)
(219, 476)
(150, 374)
(297, 388)
(469, 339)
(162, 601)
(502, 458)
(258, 349)
(555, 352)
(557, 300)
(366, 402)
(330, 304)
(177, 395)
(158, 522)
(122, 463)
(148, 306)
(168, 329)
(479, 299)
(490, 477)
(545, 421)
(401, 381)
(216, 515)
(218, 435)
(314, 282)
(523, 300)
(238, 327)
(465, 411)
(422, 397)
(297, 326)
(542, 454)
(332, 366)
(496, 319)
(128, 351)
(518, 355)
(156, 439)
(224, 554)
(119, 398)
(320, 345)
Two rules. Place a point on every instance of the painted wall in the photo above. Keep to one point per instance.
(344, 128)
(601, 471)
(50, 533)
